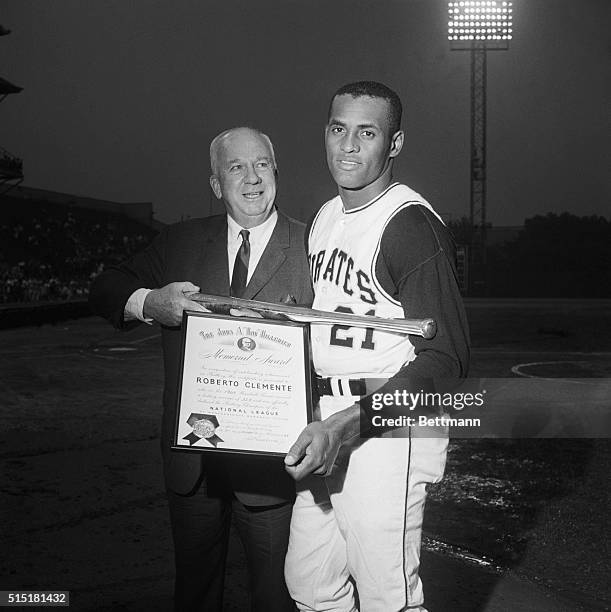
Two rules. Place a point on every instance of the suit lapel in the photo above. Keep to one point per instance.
(273, 257)
(213, 273)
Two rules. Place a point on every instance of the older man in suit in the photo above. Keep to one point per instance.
(254, 252)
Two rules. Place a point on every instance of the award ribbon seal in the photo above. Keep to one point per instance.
(204, 426)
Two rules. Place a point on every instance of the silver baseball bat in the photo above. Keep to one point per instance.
(218, 304)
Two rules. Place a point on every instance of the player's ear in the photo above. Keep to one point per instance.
(216, 187)
(396, 143)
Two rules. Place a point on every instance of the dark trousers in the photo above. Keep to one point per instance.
(200, 526)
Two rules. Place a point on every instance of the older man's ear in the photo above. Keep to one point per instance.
(216, 187)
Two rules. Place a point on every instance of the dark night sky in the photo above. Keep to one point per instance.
(121, 99)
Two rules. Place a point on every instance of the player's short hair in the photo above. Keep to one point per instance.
(373, 89)
(215, 146)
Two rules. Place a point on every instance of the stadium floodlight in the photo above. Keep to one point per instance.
(479, 26)
(480, 21)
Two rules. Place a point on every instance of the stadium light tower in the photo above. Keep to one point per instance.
(479, 26)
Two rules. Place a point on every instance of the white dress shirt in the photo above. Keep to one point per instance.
(258, 238)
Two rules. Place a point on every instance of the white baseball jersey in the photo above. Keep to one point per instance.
(362, 523)
(343, 248)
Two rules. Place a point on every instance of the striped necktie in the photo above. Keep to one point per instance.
(240, 266)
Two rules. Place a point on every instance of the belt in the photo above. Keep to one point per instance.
(340, 386)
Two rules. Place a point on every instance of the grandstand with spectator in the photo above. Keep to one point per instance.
(52, 251)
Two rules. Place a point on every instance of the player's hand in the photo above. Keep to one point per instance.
(166, 305)
(314, 451)
(317, 446)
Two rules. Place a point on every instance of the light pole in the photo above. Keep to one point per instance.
(479, 26)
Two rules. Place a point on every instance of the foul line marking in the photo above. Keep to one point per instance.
(461, 554)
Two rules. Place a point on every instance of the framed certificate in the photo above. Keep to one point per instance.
(245, 384)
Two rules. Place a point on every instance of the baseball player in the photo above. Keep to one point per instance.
(378, 248)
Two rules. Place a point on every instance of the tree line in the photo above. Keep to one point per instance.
(554, 255)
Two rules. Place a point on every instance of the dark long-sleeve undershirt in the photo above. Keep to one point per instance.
(416, 266)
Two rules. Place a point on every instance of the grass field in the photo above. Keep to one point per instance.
(83, 507)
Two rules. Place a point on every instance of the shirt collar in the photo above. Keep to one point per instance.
(234, 228)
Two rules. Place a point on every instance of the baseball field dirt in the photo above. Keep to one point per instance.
(516, 524)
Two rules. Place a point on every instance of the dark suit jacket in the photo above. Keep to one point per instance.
(196, 251)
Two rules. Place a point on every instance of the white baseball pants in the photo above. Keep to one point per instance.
(361, 526)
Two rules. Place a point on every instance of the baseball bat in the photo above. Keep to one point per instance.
(427, 328)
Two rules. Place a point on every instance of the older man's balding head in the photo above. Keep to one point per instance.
(244, 174)
(217, 144)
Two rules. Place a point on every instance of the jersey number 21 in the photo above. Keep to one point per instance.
(339, 339)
